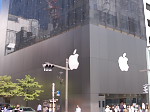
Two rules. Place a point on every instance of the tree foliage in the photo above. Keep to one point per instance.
(7, 87)
(29, 88)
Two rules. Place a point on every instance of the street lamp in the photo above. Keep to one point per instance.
(71, 63)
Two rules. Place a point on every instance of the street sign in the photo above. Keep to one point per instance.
(58, 93)
(51, 100)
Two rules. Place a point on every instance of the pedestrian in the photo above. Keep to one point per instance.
(117, 109)
(0, 109)
(112, 108)
(17, 109)
(132, 108)
(47, 109)
(143, 107)
(136, 108)
(121, 107)
(50, 110)
(5, 108)
(78, 109)
(107, 109)
(39, 108)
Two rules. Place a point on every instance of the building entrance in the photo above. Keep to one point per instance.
(129, 99)
(102, 103)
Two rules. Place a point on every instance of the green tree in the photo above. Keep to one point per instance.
(29, 88)
(8, 89)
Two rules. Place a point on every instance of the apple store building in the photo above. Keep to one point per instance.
(103, 42)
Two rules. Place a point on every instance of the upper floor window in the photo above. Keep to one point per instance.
(148, 22)
(148, 6)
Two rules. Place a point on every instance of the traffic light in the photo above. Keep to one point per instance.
(145, 88)
(48, 67)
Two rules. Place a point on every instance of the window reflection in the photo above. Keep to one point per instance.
(31, 21)
(124, 15)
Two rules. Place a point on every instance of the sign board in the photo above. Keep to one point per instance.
(51, 100)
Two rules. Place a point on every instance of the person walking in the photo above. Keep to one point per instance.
(39, 108)
(107, 109)
(143, 107)
(17, 109)
(78, 109)
(121, 107)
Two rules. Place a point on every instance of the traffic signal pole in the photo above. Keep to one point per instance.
(66, 97)
(66, 88)
(71, 63)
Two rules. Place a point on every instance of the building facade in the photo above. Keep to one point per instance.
(147, 25)
(103, 32)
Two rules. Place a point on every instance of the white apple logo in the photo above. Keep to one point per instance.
(123, 65)
(73, 60)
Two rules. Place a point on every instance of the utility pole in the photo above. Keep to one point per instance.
(53, 96)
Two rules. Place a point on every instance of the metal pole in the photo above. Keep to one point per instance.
(53, 93)
(61, 81)
(66, 94)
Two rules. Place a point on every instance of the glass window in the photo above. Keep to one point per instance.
(148, 22)
(123, 15)
(31, 21)
(148, 6)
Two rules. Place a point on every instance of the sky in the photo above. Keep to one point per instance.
(0, 4)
